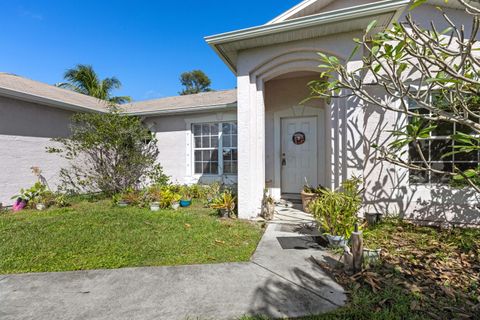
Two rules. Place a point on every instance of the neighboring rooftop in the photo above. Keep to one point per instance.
(17, 87)
(38, 92)
(189, 103)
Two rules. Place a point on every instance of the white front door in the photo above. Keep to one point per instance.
(299, 153)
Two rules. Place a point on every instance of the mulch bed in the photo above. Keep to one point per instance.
(439, 268)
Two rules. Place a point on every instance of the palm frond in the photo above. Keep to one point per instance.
(120, 99)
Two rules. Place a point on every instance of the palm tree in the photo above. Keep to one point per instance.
(83, 79)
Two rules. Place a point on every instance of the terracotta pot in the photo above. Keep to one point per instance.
(306, 199)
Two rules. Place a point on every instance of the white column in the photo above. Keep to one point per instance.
(251, 148)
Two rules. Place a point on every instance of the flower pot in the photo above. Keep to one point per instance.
(307, 198)
(19, 205)
(122, 204)
(155, 206)
(224, 213)
(371, 256)
(175, 205)
(336, 241)
(40, 206)
(185, 203)
(373, 218)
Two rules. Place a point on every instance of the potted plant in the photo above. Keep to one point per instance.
(40, 206)
(128, 197)
(336, 211)
(310, 194)
(211, 192)
(186, 199)
(371, 256)
(155, 206)
(373, 218)
(225, 204)
(176, 201)
(29, 196)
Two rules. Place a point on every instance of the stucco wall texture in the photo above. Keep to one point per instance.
(25, 131)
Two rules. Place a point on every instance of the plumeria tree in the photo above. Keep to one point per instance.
(429, 75)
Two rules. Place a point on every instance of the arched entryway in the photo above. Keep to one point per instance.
(296, 135)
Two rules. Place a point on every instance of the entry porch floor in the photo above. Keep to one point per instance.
(276, 283)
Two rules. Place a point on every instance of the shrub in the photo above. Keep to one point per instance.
(108, 152)
(336, 210)
(226, 201)
(131, 196)
(168, 197)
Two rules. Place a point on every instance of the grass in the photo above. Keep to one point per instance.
(96, 235)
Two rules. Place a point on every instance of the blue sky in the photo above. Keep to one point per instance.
(146, 44)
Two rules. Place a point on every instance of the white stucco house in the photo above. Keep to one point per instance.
(259, 135)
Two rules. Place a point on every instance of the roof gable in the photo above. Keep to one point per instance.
(311, 7)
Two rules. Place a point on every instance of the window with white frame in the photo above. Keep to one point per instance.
(434, 147)
(215, 150)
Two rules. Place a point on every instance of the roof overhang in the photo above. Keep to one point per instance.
(227, 45)
(4, 92)
(185, 110)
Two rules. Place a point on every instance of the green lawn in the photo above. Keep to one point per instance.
(99, 236)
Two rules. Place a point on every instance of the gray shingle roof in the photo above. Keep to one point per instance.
(23, 88)
(187, 103)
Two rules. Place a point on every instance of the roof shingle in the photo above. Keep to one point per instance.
(17, 86)
(183, 103)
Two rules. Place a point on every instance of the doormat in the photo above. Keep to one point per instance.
(302, 243)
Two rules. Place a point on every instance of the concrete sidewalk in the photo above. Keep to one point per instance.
(276, 283)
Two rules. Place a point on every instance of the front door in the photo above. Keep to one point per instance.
(299, 153)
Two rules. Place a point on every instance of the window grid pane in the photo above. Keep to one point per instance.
(208, 140)
(205, 140)
(433, 148)
(230, 152)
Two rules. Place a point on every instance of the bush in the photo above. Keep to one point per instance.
(108, 152)
(226, 201)
(336, 210)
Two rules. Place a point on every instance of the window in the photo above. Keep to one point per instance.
(434, 147)
(215, 148)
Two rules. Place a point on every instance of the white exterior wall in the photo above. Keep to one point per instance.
(175, 144)
(25, 131)
(387, 186)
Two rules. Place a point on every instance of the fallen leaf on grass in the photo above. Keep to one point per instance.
(219, 241)
(188, 225)
(414, 306)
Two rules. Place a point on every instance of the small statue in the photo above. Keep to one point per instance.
(268, 206)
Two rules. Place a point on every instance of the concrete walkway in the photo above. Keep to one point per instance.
(276, 283)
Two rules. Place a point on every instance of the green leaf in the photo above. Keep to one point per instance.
(417, 3)
(354, 51)
(371, 25)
